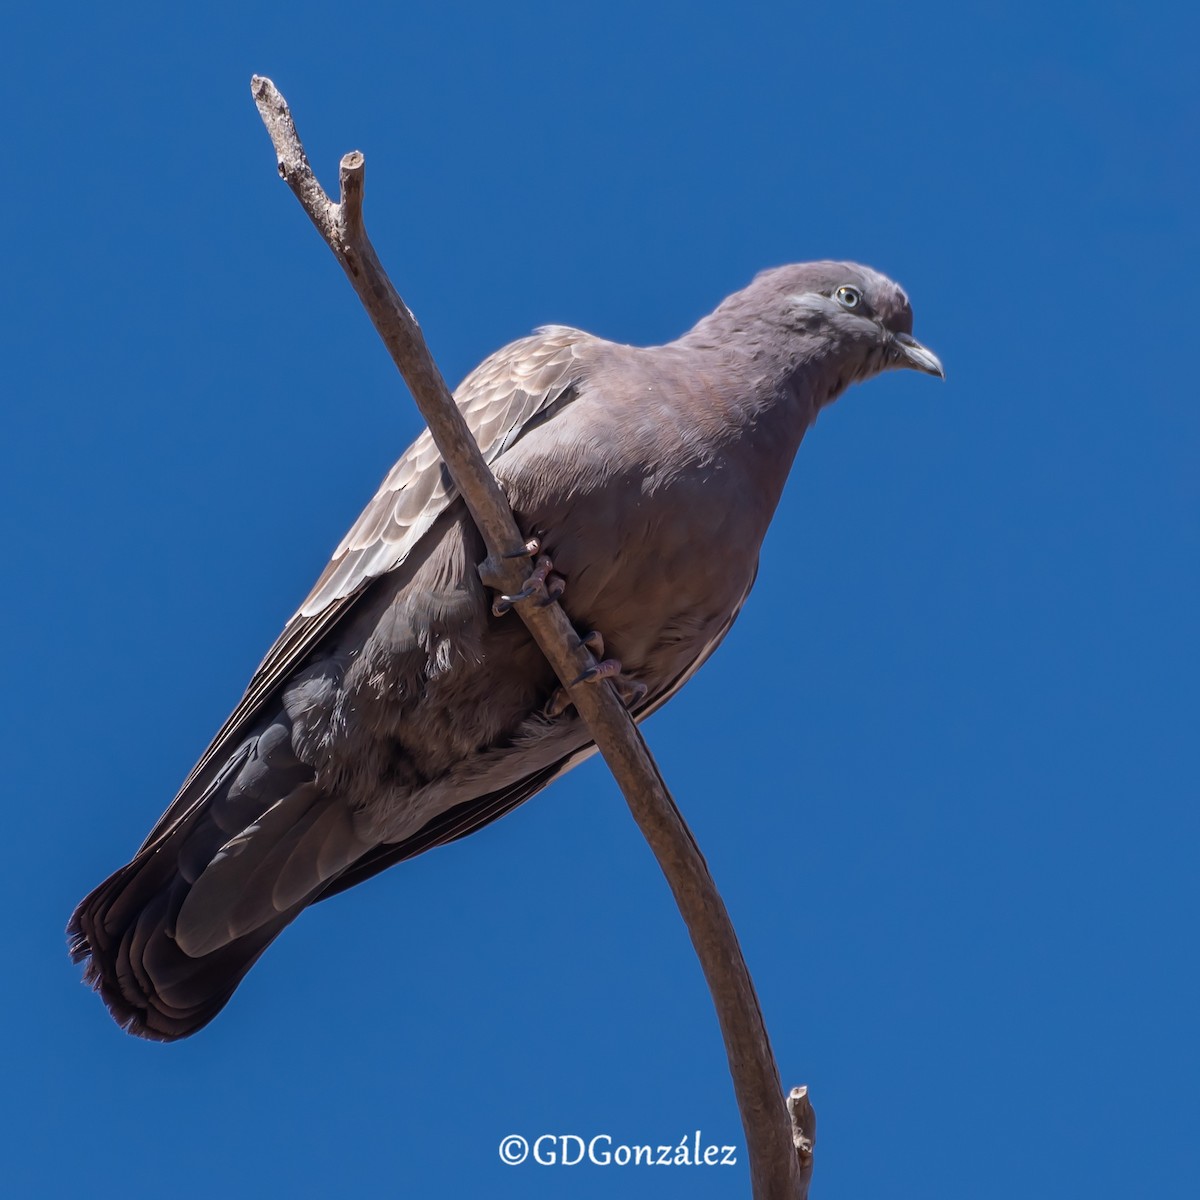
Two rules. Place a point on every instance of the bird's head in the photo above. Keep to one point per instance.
(845, 316)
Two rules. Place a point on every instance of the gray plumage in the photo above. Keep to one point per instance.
(396, 712)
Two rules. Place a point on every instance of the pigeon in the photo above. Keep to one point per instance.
(402, 708)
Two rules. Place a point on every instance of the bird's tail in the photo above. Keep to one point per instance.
(168, 937)
(124, 932)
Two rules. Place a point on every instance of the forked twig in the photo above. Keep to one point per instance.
(778, 1135)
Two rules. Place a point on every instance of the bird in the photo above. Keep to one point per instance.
(402, 707)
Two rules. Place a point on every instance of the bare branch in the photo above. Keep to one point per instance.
(775, 1168)
(352, 178)
(290, 157)
(804, 1132)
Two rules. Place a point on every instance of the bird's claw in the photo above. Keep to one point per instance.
(607, 668)
(528, 550)
(594, 641)
(555, 586)
(543, 576)
(630, 690)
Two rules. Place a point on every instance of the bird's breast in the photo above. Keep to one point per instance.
(658, 547)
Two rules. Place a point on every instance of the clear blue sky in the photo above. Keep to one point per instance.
(944, 769)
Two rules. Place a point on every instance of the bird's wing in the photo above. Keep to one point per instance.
(474, 814)
(526, 380)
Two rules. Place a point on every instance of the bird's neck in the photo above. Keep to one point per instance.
(791, 377)
(780, 383)
(756, 395)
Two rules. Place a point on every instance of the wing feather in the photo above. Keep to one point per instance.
(499, 399)
(471, 815)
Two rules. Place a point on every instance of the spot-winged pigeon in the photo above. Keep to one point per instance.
(399, 711)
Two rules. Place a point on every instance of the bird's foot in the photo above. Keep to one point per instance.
(629, 689)
(543, 576)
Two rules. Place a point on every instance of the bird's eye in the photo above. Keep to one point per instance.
(848, 297)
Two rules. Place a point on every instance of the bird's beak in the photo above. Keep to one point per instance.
(910, 353)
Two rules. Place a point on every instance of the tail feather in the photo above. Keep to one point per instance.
(167, 939)
(274, 865)
(123, 932)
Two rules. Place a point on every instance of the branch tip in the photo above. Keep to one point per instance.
(804, 1125)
